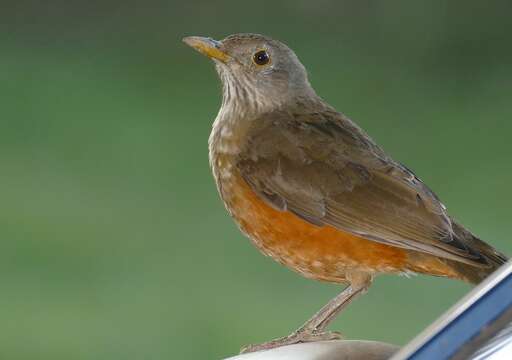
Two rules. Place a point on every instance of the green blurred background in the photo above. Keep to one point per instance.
(114, 244)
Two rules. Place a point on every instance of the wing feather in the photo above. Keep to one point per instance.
(326, 170)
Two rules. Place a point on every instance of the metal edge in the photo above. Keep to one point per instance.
(453, 312)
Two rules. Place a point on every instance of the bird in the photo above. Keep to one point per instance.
(314, 192)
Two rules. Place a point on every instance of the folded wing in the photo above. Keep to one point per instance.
(326, 170)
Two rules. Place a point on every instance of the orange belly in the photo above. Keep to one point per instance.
(322, 253)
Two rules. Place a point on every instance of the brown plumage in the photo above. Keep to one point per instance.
(313, 190)
(316, 164)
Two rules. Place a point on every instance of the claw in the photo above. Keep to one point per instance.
(294, 338)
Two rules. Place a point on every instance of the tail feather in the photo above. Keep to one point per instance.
(493, 257)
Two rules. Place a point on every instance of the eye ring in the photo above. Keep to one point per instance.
(261, 58)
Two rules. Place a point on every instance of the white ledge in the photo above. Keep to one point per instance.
(325, 350)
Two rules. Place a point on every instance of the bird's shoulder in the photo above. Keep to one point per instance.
(314, 132)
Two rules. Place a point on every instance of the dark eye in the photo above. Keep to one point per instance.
(261, 58)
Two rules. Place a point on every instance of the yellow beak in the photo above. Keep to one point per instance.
(207, 46)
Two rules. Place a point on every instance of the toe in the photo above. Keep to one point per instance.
(322, 336)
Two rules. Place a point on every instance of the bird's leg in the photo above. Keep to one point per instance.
(313, 329)
(328, 313)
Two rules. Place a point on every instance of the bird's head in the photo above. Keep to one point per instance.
(255, 70)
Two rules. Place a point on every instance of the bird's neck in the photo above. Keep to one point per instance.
(242, 106)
